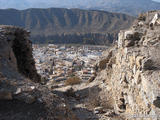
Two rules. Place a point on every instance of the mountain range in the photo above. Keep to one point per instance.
(58, 25)
(132, 7)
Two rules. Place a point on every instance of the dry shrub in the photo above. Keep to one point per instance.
(91, 79)
(93, 101)
(73, 81)
(142, 17)
(107, 101)
(102, 64)
(103, 99)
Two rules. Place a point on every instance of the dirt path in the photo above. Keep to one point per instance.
(82, 100)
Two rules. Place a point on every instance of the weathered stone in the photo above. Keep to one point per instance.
(98, 110)
(147, 64)
(157, 102)
(18, 91)
(128, 43)
(30, 99)
(139, 67)
(155, 20)
(16, 49)
(110, 113)
(139, 61)
(137, 77)
(27, 99)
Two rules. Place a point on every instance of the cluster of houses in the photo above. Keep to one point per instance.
(59, 62)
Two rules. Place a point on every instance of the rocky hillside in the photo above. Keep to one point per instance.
(20, 97)
(130, 70)
(58, 25)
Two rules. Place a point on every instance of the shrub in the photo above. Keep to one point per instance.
(105, 101)
(102, 64)
(73, 81)
(142, 17)
(91, 79)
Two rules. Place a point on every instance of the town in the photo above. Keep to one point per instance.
(59, 62)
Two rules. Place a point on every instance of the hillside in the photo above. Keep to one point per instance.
(59, 25)
(131, 7)
(130, 70)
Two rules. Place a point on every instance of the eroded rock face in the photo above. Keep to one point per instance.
(21, 97)
(133, 71)
(16, 52)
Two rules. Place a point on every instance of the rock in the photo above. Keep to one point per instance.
(70, 92)
(110, 113)
(138, 77)
(139, 61)
(98, 110)
(147, 64)
(155, 20)
(17, 51)
(157, 102)
(133, 77)
(33, 87)
(5, 95)
(129, 43)
(18, 91)
(141, 23)
(30, 99)
(25, 97)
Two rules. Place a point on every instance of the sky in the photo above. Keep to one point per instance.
(23, 4)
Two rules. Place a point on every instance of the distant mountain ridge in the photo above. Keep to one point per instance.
(59, 25)
(131, 7)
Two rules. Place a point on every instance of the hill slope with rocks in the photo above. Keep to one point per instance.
(58, 25)
(131, 70)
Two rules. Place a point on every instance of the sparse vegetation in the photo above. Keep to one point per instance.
(104, 100)
(102, 64)
(73, 80)
(92, 79)
(92, 100)
(142, 17)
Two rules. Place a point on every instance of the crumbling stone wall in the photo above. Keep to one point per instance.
(21, 98)
(133, 71)
(18, 51)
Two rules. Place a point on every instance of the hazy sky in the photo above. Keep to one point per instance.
(23, 4)
(157, 0)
